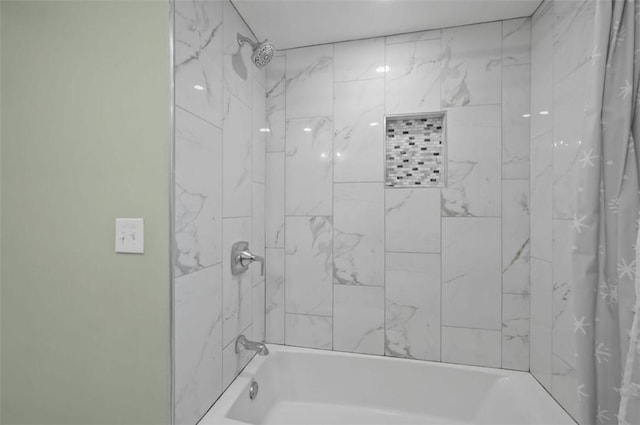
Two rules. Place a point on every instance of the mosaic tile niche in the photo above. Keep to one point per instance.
(416, 150)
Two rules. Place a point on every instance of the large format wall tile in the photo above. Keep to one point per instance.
(274, 302)
(542, 69)
(236, 290)
(569, 98)
(198, 58)
(258, 127)
(412, 297)
(541, 196)
(471, 346)
(309, 331)
(471, 284)
(358, 60)
(413, 78)
(471, 64)
(309, 166)
(573, 40)
(358, 237)
(516, 116)
(562, 308)
(257, 231)
(412, 220)
(198, 194)
(473, 187)
(515, 331)
(564, 386)
(275, 103)
(358, 319)
(260, 77)
(516, 43)
(515, 236)
(258, 314)
(198, 343)
(309, 265)
(541, 326)
(238, 67)
(516, 120)
(274, 191)
(309, 73)
(236, 165)
(358, 131)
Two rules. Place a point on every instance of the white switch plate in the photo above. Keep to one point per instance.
(130, 235)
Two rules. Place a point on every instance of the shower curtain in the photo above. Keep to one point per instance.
(606, 225)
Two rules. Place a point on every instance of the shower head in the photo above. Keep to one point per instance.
(262, 52)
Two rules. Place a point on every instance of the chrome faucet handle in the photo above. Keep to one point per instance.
(260, 259)
(246, 257)
(241, 258)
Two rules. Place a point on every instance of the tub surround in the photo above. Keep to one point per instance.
(219, 199)
(351, 265)
(429, 273)
(561, 57)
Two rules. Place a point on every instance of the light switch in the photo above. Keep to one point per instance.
(130, 235)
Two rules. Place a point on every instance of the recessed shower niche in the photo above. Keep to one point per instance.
(416, 150)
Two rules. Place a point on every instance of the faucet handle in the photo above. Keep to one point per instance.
(260, 259)
(241, 257)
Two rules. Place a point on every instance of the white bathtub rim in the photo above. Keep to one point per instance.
(223, 405)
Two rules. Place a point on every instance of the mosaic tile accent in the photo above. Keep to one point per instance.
(415, 150)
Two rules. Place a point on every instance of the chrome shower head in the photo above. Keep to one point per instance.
(262, 52)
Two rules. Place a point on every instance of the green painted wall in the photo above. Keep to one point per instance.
(85, 139)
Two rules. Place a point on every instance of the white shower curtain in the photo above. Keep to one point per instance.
(629, 412)
(606, 225)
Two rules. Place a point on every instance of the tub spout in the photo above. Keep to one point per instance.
(258, 347)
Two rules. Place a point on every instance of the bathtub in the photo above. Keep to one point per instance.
(303, 386)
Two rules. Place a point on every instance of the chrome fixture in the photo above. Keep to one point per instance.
(258, 347)
(262, 52)
(253, 390)
(241, 257)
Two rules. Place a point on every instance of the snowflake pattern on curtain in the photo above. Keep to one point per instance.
(605, 227)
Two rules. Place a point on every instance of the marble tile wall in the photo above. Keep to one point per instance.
(428, 273)
(220, 104)
(560, 65)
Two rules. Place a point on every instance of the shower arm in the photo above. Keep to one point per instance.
(242, 39)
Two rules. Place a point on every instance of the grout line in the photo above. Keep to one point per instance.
(222, 191)
(308, 315)
(551, 89)
(363, 182)
(441, 200)
(385, 36)
(473, 329)
(384, 194)
(411, 252)
(502, 141)
(199, 117)
(308, 216)
(242, 18)
(284, 206)
(199, 270)
(540, 259)
(333, 206)
(173, 247)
